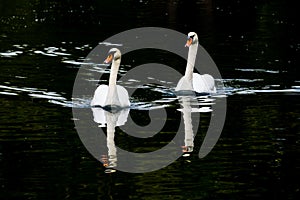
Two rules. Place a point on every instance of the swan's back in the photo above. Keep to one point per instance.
(203, 83)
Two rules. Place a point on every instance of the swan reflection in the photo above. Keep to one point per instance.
(110, 119)
(187, 103)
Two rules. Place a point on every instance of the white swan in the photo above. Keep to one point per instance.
(192, 81)
(113, 95)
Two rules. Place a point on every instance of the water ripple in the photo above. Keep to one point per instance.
(10, 53)
(258, 70)
(32, 92)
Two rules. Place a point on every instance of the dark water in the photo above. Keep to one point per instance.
(255, 45)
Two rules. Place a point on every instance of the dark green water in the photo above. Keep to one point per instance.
(255, 45)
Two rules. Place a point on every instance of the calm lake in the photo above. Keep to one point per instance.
(255, 45)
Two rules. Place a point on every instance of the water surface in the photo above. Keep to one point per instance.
(255, 45)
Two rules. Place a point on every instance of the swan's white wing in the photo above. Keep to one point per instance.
(203, 83)
(100, 96)
(210, 81)
(123, 96)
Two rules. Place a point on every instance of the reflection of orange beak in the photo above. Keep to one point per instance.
(104, 160)
(108, 59)
(184, 149)
(189, 42)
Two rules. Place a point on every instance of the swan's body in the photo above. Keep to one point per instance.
(112, 95)
(118, 97)
(192, 81)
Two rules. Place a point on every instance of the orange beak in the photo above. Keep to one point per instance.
(108, 59)
(189, 42)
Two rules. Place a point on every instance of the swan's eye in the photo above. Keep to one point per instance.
(117, 57)
(191, 37)
(112, 52)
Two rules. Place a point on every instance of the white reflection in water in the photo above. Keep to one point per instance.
(110, 120)
(110, 44)
(32, 92)
(114, 118)
(188, 104)
(10, 53)
(254, 86)
(9, 93)
(52, 51)
(258, 70)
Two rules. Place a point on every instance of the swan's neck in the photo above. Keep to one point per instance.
(114, 73)
(112, 96)
(191, 61)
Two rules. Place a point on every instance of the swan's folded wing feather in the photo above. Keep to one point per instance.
(100, 96)
(203, 83)
(123, 96)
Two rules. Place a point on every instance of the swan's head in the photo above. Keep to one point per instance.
(114, 54)
(192, 38)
